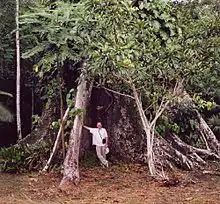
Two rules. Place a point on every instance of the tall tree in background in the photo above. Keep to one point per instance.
(18, 111)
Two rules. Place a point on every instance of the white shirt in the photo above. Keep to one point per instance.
(98, 136)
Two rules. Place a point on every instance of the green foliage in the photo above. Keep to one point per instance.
(150, 45)
(165, 124)
(199, 52)
(23, 158)
(203, 104)
(214, 122)
(129, 44)
(122, 39)
(54, 30)
(72, 113)
(7, 25)
(36, 120)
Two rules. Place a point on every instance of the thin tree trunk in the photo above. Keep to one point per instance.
(71, 163)
(57, 140)
(147, 129)
(18, 111)
(60, 79)
(32, 105)
(62, 123)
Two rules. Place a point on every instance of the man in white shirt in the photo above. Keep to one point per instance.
(100, 139)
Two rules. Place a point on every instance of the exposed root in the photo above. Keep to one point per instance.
(212, 173)
(167, 155)
(188, 149)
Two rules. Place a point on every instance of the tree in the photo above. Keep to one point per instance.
(63, 39)
(71, 162)
(18, 75)
(134, 53)
(138, 49)
(147, 53)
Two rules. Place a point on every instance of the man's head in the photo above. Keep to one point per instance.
(99, 125)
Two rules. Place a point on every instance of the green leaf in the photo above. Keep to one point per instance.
(35, 50)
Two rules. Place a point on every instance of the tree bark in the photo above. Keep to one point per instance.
(43, 130)
(71, 162)
(18, 111)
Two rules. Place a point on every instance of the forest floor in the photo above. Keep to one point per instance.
(118, 184)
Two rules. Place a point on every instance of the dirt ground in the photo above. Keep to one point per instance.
(118, 184)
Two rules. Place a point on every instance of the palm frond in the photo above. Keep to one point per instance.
(6, 93)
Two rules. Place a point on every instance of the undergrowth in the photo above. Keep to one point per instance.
(20, 158)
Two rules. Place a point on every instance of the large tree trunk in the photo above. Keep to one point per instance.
(131, 132)
(43, 131)
(71, 163)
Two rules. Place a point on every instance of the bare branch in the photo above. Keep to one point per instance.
(116, 92)
(163, 105)
(57, 140)
(158, 114)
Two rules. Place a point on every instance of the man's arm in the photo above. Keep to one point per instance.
(88, 128)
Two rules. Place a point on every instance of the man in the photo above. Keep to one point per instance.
(100, 139)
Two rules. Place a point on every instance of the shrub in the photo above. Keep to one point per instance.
(20, 158)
